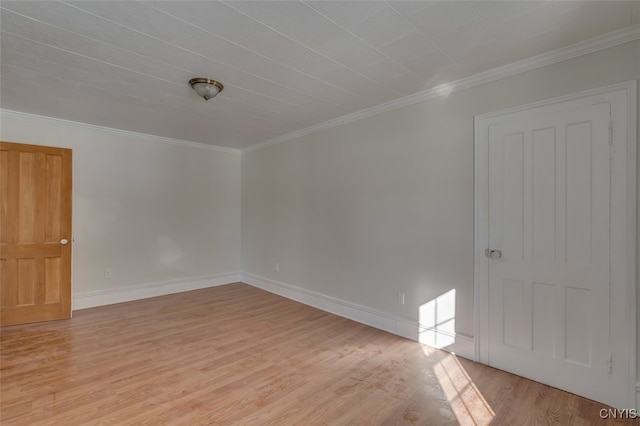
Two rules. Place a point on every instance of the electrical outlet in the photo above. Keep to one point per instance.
(400, 298)
(107, 273)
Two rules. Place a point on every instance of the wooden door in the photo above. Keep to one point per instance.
(35, 233)
(549, 209)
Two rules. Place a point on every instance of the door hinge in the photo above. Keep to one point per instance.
(610, 364)
(610, 133)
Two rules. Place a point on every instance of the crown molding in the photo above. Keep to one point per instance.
(585, 47)
(116, 132)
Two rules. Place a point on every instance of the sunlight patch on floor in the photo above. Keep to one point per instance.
(466, 401)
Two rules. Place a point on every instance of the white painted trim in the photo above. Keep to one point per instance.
(127, 294)
(116, 132)
(626, 85)
(595, 44)
(463, 346)
(631, 229)
(622, 96)
(481, 240)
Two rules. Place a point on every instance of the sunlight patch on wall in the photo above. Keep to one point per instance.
(437, 320)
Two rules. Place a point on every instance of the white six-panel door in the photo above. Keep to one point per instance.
(549, 215)
(553, 216)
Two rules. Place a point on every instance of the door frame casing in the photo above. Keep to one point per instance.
(623, 321)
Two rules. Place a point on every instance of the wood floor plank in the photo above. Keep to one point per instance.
(235, 354)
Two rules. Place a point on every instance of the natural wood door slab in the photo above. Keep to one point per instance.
(35, 233)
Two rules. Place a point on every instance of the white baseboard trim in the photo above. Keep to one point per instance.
(127, 294)
(457, 343)
(461, 345)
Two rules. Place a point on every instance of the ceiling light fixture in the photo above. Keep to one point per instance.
(205, 87)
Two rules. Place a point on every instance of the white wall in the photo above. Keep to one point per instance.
(385, 204)
(163, 216)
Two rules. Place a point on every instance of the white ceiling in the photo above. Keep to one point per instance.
(285, 65)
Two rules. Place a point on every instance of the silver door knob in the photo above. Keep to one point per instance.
(492, 253)
(64, 241)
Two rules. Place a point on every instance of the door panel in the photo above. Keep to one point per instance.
(549, 209)
(35, 216)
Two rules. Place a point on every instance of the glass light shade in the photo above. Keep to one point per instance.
(205, 87)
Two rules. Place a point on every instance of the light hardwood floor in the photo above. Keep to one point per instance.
(235, 354)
